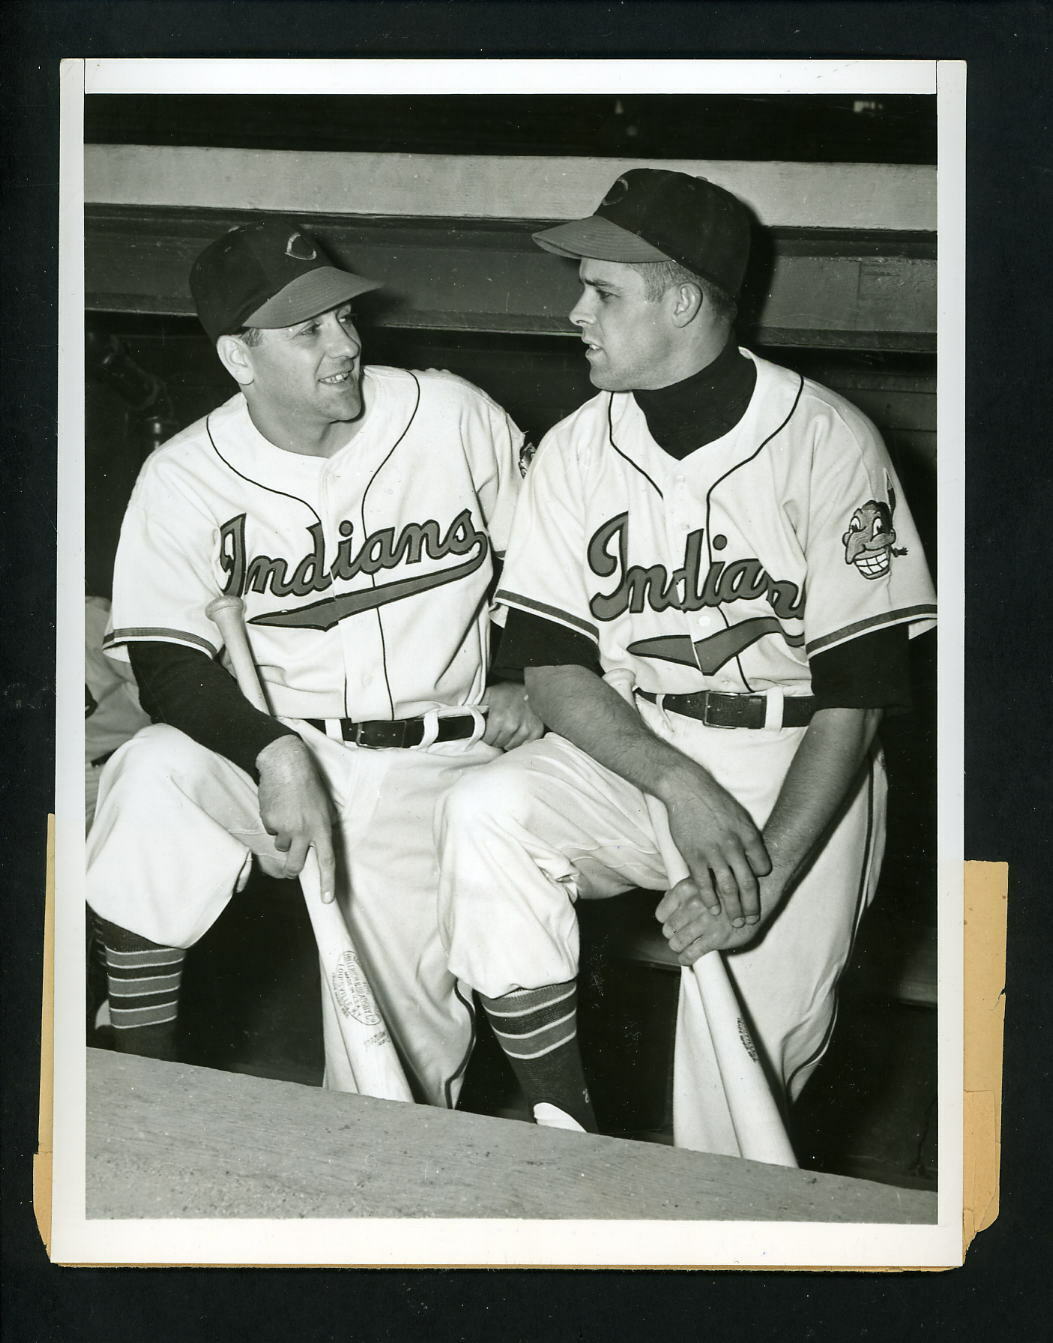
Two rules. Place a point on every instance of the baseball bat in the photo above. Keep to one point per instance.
(753, 1110)
(372, 1064)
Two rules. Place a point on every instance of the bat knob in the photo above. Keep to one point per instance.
(227, 602)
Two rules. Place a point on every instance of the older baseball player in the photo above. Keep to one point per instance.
(358, 511)
(733, 539)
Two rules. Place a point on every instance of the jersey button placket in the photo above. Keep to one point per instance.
(332, 516)
(679, 526)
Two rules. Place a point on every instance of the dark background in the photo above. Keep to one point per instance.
(819, 128)
(1008, 46)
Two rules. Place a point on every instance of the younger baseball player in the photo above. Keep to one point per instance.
(732, 539)
(359, 512)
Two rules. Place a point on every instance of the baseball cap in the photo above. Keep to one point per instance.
(269, 273)
(656, 214)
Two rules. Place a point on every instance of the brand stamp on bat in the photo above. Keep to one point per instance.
(352, 992)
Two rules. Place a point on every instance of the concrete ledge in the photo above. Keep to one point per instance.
(167, 1140)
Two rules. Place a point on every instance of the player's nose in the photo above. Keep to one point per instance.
(342, 340)
(580, 314)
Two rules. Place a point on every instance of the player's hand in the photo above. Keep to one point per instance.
(294, 808)
(510, 720)
(723, 849)
(692, 931)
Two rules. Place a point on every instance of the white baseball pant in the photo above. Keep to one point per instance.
(523, 839)
(177, 825)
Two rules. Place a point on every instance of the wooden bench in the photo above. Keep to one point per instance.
(898, 965)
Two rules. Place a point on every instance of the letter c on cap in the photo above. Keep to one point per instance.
(299, 248)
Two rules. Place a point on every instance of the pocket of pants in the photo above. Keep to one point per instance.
(356, 780)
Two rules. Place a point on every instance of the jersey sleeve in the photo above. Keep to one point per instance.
(544, 574)
(532, 641)
(495, 447)
(871, 671)
(501, 492)
(112, 712)
(163, 575)
(189, 691)
(865, 567)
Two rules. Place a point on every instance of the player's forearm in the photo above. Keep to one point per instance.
(825, 767)
(580, 706)
(188, 691)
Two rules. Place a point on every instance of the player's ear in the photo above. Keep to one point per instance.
(686, 303)
(236, 358)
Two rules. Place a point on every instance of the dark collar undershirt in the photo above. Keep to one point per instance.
(703, 407)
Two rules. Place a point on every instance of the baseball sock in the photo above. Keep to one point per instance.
(98, 1001)
(538, 1031)
(143, 980)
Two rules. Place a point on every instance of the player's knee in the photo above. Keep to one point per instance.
(152, 758)
(480, 800)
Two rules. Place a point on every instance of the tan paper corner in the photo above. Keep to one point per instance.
(986, 892)
(45, 1121)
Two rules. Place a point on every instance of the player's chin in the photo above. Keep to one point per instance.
(606, 379)
(345, 399)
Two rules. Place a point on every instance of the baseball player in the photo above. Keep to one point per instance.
(358, 511)
(112, 713)
(733, 538)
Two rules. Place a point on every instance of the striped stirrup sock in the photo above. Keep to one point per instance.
(538, 1031)
(143, 980)
(144, 986)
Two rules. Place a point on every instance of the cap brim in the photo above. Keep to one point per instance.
(598, 239)
(308, 295)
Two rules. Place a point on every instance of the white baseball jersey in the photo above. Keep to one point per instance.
(728, 569)
(365, 575)
(112, 712)
(723, 571)
(366, 579)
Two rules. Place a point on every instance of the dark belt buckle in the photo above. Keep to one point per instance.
(379, 735)
(734, 711)
(709, 707)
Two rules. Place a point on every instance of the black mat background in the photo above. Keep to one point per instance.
(999, 1292)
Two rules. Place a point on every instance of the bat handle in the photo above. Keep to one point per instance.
(228, 613)
(370, 1063)
(754, 1112)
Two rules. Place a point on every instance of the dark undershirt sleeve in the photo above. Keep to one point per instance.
(497, 672)
(189, 691)
(871, 672)
(532, 641)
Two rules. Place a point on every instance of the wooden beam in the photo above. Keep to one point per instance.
(826, 288)
(782, 195)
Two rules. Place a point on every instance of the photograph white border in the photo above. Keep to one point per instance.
(500, 1242)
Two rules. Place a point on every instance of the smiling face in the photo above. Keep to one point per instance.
(870, 537)
(305, 379)
(630, 340)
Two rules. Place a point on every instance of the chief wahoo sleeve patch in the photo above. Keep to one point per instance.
(870, 540)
